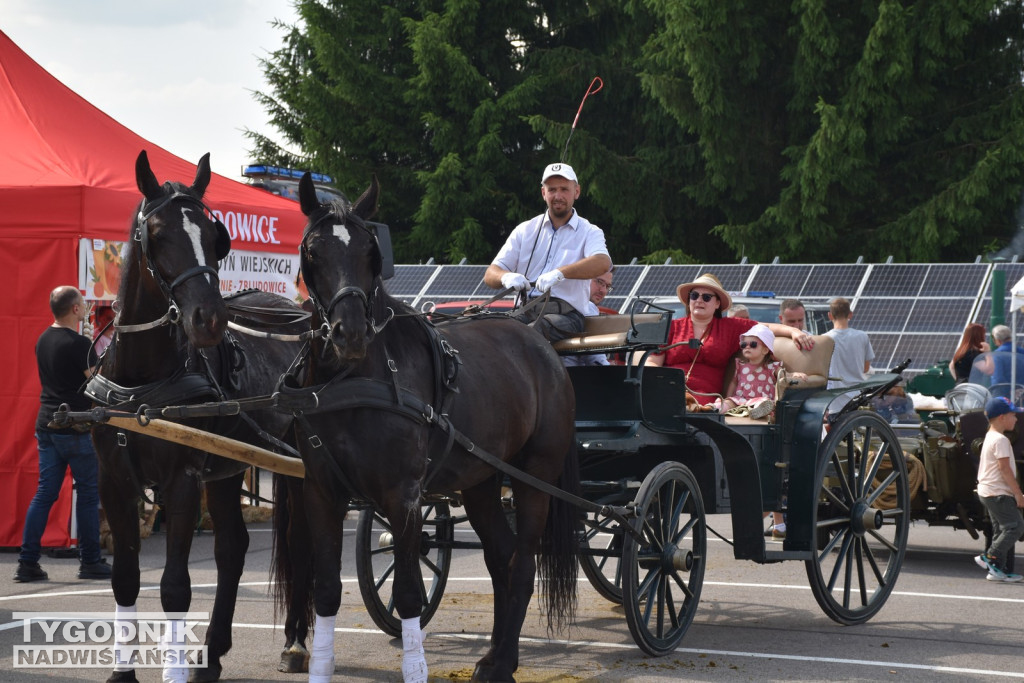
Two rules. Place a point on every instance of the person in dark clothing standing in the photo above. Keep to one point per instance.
(65, 360)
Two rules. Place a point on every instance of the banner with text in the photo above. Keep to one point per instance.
(99, 271)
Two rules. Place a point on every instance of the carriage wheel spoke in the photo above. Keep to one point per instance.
(858, 563)
(384, 576)
(685, 530)
(876, 570)
(843, 554)
(434, 569)
(876, 463)
(841, 476)
(834, 499)
(862, 462)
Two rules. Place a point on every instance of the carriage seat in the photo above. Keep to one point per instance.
(606, 333)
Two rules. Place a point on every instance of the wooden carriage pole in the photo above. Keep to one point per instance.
(212, 443)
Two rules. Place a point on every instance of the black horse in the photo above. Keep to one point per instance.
(390, 387)
(169, 348)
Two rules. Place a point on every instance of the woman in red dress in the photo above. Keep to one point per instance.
(706, 301)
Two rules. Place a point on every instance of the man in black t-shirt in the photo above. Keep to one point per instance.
(65, 359)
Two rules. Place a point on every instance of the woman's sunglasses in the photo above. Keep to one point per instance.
(748, 345)
(707, 297)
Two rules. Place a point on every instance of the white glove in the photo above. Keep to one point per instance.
(549, 279)
(87, 329)
(515, 281)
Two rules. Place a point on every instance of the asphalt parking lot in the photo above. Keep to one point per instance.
(944, 622)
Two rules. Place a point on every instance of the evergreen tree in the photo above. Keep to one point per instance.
(833, 129)
(812, 130)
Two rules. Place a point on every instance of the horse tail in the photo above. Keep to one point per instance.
(282, 562)
(558, 564)
(280, 565)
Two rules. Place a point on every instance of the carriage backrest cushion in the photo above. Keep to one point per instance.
(814, 362)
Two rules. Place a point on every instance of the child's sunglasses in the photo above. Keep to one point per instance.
(707, 297)
(749, 344)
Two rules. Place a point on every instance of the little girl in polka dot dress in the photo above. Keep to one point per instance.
(753, 385)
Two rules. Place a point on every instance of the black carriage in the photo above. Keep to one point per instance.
(651, 472)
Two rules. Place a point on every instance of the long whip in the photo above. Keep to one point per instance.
(590, 91)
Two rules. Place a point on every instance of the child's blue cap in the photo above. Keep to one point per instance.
(1000, 406)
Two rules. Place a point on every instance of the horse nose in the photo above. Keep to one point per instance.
(350, 345)
(207, 318)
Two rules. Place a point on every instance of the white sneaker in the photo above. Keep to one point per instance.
(1004, 577)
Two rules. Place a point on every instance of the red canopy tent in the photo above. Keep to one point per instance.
(68, 172)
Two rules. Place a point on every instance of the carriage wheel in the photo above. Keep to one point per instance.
(862, 518)
(375, 564)
(602, 535)
(662, 575)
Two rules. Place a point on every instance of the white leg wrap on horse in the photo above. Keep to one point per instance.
(125, 631)
(321, 659)
(174, 655)
(414, 664)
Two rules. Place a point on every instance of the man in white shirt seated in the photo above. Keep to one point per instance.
(559, 252)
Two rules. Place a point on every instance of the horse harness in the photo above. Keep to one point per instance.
(188, 384)
(346, 393)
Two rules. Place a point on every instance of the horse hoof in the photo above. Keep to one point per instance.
(486, 672)
(207, 675)
(294, 660)
(123, 677)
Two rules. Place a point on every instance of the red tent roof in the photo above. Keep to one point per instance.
(68, 169)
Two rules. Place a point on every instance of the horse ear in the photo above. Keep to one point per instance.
(366, 206)
(144, 177)
(202, 175)
(307, 194)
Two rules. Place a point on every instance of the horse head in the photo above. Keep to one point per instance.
(341, 264)
(179, 241)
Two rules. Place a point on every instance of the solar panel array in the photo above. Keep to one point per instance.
(909, 310)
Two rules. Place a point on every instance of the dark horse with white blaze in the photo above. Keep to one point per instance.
(392, 393)
(170, 348)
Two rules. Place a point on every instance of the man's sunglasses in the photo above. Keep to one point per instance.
(707, 297)
(748, 345)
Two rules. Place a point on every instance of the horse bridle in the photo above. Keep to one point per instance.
(349, 290)
(140, 234)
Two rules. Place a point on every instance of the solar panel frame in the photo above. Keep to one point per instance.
(895, 280)
(466, 280)
(781, 280)
(924, 350)
(409, 280)
(827, 281)
(663, 280)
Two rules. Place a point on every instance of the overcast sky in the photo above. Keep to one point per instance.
(180, 74)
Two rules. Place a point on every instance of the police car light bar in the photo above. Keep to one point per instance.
(261, 171)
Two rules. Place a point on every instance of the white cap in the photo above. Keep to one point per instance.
(763, 333)
(563, 170)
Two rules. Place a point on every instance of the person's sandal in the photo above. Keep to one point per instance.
(762, 409)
